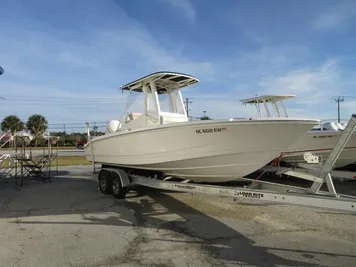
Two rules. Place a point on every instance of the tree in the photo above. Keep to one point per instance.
(37, 125)
(13, 124)
(205, 118)
(95, 129)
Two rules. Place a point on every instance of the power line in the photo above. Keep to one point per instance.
(115, 100)
(75, 123)
(63, 98)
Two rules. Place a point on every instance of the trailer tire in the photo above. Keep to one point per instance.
(118, 191)
(105, 182)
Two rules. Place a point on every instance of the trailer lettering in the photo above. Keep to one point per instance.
(249, 194)
(211, 130)
(325, 136)
(185, 187)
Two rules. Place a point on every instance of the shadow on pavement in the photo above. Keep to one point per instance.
(81, 196)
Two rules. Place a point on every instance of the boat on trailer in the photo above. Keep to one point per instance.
(157, 136)
(119, 181)
(317, 144)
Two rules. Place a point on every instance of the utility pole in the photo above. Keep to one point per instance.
(187, 102)
(1, 72)
(64, 134)
(95, 128)
(338, 100)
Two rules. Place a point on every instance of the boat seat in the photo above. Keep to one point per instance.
(132, 116)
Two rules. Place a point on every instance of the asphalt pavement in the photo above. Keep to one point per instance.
(69, 222)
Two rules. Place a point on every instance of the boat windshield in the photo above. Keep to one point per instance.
(135, 103)
(171, 103)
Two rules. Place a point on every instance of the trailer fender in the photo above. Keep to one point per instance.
(121, 174)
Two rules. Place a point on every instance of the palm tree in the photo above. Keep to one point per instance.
(13, 124)
(37, 125)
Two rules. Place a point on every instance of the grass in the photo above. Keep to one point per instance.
(64, 161)
(74, 160)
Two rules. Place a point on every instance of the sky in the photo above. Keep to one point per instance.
(67, 59)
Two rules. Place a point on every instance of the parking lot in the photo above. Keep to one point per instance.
(69, 222)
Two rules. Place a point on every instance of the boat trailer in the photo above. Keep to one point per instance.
(117, 181)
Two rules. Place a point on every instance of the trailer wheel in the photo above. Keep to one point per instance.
(117, 190)
(105, 182)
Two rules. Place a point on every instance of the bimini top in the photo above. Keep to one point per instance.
(163, 81)
(266, 98)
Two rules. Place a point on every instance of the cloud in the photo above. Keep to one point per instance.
(72, 73)
(315, 88)
(138, 45)
(186, 7)
(348, 107)
(336, 15)
(317, 82)
(60, 106)
(77, 78)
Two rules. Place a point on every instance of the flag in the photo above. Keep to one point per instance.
(1, 70)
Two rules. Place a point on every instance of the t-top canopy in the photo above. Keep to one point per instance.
(266, 98)
(274, 100)
(163, 80)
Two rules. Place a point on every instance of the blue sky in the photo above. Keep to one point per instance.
(67, 59)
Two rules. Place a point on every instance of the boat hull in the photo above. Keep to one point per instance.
(321, 144)
(202, 151)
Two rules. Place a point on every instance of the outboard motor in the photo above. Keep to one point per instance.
(331, 126)
(113, 126)
(343, 124)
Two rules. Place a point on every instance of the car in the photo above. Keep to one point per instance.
(81, 144)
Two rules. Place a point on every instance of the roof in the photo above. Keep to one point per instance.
(267, 98)
(163, 80)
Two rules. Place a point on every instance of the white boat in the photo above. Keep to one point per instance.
(319, 140)
(160, 137)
